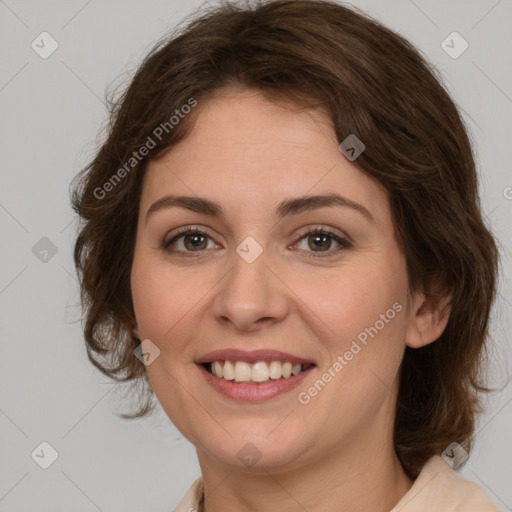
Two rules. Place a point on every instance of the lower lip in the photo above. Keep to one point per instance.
(244, 392)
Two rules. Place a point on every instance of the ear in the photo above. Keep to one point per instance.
(134, 329)
(428, 319)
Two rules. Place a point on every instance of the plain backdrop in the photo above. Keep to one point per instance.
(51, 110)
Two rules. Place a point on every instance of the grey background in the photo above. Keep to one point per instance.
(51, 110)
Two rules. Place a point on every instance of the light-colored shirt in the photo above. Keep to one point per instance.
(438, 488)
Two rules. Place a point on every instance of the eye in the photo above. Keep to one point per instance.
(320, 240)
(188, 239)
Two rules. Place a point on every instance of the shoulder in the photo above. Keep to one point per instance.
(438, 487)
(190, 502)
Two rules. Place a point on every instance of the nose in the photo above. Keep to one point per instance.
(252, 295)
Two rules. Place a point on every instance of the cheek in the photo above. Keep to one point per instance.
(162, 299)
(363, 311)
(354, 299)
(165, 306)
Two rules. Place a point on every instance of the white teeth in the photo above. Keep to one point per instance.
(217, 369)
(275, 370)
(261, 371)
(296, 369)
(287, 369)
(242, 371)
(228, 371)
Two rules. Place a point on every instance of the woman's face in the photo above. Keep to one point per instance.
(321, 283)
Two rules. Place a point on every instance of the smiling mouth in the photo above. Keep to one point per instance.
(256, 373)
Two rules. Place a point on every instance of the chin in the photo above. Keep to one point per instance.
(256, 453)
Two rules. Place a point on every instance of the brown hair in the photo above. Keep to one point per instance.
(373, 83)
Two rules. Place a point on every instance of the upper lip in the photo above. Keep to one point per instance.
(254, 356)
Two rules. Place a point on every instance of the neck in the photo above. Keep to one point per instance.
(356, 478)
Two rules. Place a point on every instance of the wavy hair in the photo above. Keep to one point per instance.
(373, 83)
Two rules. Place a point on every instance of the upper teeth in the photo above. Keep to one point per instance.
(257, 372)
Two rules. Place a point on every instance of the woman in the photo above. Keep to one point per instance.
(282, 241)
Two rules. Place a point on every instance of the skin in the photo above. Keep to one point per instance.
(248, 154)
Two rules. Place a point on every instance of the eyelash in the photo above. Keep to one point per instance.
(189, 230)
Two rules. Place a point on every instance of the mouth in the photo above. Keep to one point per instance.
(253, 376)
(259, 372)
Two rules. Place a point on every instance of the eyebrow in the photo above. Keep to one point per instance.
(293, 206)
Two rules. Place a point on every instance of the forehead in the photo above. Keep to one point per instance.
(245, 149)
